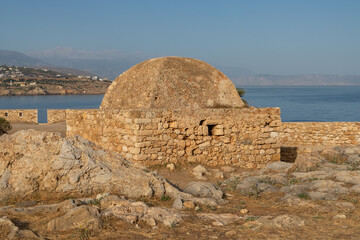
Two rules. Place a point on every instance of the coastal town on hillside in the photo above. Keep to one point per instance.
(16, 80)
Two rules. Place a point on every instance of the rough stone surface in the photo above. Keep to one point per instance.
(307, 162)
(277, 167)
(20, 115)
(288, 221)
(79, 217)
(32, 161)
(171, 82)
(10, 231)
(203, 189)
(320, 133)
(162, 136)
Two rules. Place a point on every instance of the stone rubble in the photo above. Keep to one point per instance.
(32, 162)
(313, 176)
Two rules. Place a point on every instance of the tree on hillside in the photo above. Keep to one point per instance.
(4, 126)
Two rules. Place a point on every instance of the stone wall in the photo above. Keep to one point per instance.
(320, 133)
(247, 137)
(20, 115)
(56, 115)
(302, 137)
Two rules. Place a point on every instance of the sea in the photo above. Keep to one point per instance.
(297, 103)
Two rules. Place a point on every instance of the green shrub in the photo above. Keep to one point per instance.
(4, 126)
(241, 93)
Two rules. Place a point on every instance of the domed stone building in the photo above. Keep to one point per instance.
(171, 82)
(175, 109)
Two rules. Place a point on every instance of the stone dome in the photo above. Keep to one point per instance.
(171, 82)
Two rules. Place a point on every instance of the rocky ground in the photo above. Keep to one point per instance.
(59, 127)
(68, 188)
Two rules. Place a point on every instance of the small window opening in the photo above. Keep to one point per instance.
(6, 114)
(210, 129)
(20, 114)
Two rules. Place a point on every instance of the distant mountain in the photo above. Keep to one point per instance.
(71, 71)
(111, 63)
(305, 79)
(108, 63)
(13, 58)
(234, 72)
(18, 59)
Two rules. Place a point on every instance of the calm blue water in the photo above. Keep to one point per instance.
(307, 103)
(50, 102)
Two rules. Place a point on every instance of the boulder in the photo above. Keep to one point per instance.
(203, 189)
(33, 161)
(287, 221)
(9, 231)
(307, 163)
(277, 167)
(83, 217)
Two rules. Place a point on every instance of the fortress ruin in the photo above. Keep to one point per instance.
(178, 110)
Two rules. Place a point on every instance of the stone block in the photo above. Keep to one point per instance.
(134, 150)
(204, 145)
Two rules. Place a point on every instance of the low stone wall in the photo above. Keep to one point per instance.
(56, 115)
(20, 115)
(245, 137)
(300, 137)
(320, 133)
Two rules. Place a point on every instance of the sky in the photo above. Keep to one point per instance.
(264, 36)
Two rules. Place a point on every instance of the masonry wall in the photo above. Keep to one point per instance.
(56, 115)
(320, 133)
(20, 115)
(301, 137)
(245, 137)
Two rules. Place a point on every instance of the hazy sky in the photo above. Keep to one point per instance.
(265, 36)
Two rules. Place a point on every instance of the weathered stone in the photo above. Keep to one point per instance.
(199, 175)
(200, 168)
(352, 177)
(178, 204)
(189, 205)
(203, 189)
(228, 169)
(171, 167)
(339, 216)
(288, 221)
(277, 167)
(307, 162)
(163, 83)
(71, 166)
(220, 219)
(80, 217)
(244, 211)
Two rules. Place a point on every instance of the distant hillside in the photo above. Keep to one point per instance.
(111, 63)
(33, 81)
(108, 63)
(13, 58)
(71, 71)
(306, 79)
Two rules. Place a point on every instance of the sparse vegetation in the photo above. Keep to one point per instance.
(5, 126)
(292, 181)
(165, 198)
(241, 93)
(252, 218)
(303, 196)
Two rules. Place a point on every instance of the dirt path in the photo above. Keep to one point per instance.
(53, 127)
